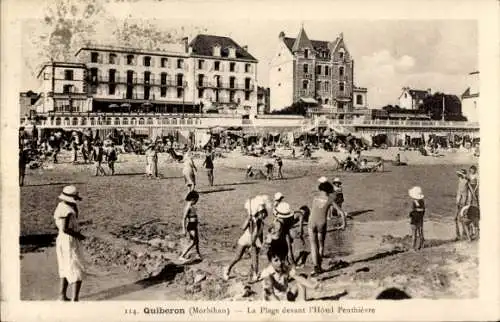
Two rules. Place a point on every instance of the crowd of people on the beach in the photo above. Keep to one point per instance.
(281, 278)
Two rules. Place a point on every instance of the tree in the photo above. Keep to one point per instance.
(433, 105)
(392, 108)
(297, 108)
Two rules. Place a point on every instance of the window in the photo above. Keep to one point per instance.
(108, 121)
(247, 96)
(232, 82)
(58, 121)
(232, 67)
(147, 90)
(231, 96)
(318, 69)
(164, 62)
(68, 74)
(248, 68)
(306, 68)
(111, 75)
(180, 63)
(83, 121)
(305, 84)
(200, 93)
(306, 53)
(327, 86)
(341, 86)
(133, 121)
(74, 121)
(327, 70)
(165, 121)
(201, 77)
(112, 58)
(201, 63)
(180, 92)
(341, 55)
(359, 99)
(111, 89)
(163, 91)
(180, 78)
(117, 121)
(141, 121)
(67, 89)
(147, 77)
(326, 101)
(341, 71)
(163, 78)
(217, 65)
(174, 122)
(93, 75)
(406, 95)
(125, 121)
(318, 85)
(150, 121)
(146, 61)
(94, 57)
(130, 59)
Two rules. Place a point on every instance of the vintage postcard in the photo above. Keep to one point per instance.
(250, 160)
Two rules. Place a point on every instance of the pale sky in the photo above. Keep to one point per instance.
(388, 54)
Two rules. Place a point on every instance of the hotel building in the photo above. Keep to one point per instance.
(208, 74)
(316, 72)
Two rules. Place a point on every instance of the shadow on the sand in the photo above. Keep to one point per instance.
(302, 258)
(167, 274)
(216, 190)
(234, 184)
(31, 243)
(352, 214)
(52, 184)
(335, 297)
(129, 174)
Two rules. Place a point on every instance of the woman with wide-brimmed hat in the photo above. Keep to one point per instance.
(68, 246)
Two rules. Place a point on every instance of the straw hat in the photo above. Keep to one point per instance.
(278, 196)
(462, 173)
(323, 180)
(283, 210)
(70, 194)
(337, 180)
(249, 167)
(416, 193)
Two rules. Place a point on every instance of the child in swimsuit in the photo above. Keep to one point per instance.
(190, 225)
(417, 217)
(321, 209)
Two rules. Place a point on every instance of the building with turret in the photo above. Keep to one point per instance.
(316, 72)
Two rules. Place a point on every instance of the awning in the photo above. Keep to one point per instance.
(343, 99)
(308, 100)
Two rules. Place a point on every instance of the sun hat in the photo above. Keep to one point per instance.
(278, 196)
(283, 210)
(249, 167)
(337, 180)
(70, 194)
(462, 173)
(323, 180)
(416, 193)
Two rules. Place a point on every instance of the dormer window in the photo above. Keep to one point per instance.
(232, 52)
(217, 51)
(306, 53)
(341, 54)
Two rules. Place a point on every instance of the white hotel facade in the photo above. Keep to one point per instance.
(111, 85)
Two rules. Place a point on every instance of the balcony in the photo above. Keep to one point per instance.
(142, 81)
(225, 85)
(67, 95)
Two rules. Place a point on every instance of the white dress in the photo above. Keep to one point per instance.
(68, 248)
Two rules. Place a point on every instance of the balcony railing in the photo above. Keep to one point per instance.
(225, 85)
(142, 81)
(398, 123)
(66, 95)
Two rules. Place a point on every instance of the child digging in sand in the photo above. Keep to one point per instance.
(190, 225)
(279, 278)
(417, 217)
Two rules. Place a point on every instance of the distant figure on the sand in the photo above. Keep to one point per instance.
(269, 169)
(279, 163)
(188, 171)
(68, 246)
(111, 157)
(209, 166)
(417, 212)
(397, 161)
(98, 156)
(151, 161)
(255, 174)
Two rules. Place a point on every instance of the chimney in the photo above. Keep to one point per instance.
(245, 48)
(185, 40)
(282, 35)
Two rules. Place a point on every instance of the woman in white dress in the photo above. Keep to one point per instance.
(188, 171)
(68, 246)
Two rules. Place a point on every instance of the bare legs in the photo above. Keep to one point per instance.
(195, 242)
(64, 288)
(240, 250)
